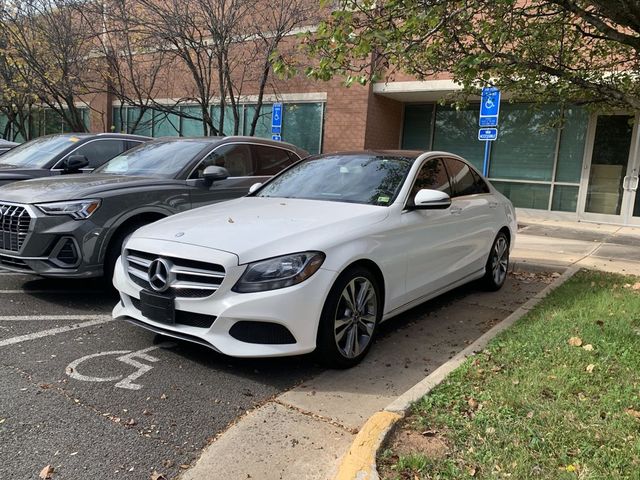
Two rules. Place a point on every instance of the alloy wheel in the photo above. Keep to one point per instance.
(355, 317)
(500, 260)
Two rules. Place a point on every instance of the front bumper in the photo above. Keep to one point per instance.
(56, 246)
(297, 308)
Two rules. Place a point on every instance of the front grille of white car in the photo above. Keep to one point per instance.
(187, 279)
(15, 221)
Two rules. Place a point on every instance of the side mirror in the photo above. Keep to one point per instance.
(73, 163)
(431, 199)
(254, 187)
(213, 173)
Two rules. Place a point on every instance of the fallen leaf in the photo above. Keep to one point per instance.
(588, 347)
(471, 471)
(131, 422)
(633, 413)
(575, 341)
(473, 404)
(635, 286)
(530, 415)
(157, 476)
(570, 468)
(590, 368)
(46, 472)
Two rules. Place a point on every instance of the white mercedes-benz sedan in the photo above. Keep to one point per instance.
(317, 257)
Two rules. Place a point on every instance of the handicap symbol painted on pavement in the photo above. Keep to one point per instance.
(125, 356)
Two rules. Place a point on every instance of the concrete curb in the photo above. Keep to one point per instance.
(359, 463)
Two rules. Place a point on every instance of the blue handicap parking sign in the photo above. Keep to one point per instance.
(489, 107)
(276, 115)
(277, 138)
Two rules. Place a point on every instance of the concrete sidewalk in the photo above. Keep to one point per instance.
(562, 244)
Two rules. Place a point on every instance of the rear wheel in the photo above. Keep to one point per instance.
(497, 263)
(349, 319)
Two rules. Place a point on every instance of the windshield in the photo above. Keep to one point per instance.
(161, 159)
(37, 153)
(367, 179)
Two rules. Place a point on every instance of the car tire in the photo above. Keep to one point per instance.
(115, 248)
(497, 263)
(345, 334)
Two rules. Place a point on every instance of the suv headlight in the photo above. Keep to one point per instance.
(279, 272)
(77, 209)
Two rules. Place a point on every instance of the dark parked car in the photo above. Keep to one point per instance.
(6, 145)
(62, 154)
(74, 225)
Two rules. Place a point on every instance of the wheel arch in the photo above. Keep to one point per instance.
(144, 217)
(375, 270)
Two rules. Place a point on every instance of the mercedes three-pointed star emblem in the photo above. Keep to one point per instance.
(159, 272)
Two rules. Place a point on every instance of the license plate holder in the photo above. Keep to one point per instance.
(156, 307)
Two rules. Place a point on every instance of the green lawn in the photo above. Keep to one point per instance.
(557, 396)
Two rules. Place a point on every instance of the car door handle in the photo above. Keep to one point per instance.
(455, 210)
(634, 185)
(493, 204)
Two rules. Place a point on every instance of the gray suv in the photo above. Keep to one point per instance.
(74, 225)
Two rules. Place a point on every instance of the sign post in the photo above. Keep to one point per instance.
(488, 122)
(276, 122)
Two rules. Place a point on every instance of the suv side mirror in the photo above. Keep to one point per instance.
(431, 199)
(73, 163)
(254, 187)
(213, 173)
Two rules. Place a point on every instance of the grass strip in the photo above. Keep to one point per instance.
(557, 396)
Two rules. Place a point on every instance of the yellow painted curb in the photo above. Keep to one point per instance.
(360, 461)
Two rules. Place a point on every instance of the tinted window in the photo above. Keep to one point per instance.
(462, 177)
(235, 158)
(481, 185)
(432, 176)
(100, 151)
(367, 179)
(270, 160)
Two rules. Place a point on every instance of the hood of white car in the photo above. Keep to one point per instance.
(254, 228)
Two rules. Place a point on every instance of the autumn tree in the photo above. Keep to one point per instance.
(538, 50)
(52, 52)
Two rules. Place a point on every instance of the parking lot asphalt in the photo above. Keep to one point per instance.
(97, 398)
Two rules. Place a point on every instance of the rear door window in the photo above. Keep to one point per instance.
(463, 180)
(270, 160)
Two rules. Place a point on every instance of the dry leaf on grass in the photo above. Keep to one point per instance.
(633, 413)
(46, 472)
(588, 347)
(635, 286)
(473, 404)
(590, 368)
(575, 341)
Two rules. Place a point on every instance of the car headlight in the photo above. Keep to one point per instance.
(279, 272)
(77, 209)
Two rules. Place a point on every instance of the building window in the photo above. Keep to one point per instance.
(417, 127)
(302, 123)
(537, 159)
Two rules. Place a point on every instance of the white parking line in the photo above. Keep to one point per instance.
(22, 318)
(54, 331)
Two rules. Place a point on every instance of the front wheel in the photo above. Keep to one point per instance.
(497, 263)
(349, 319)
